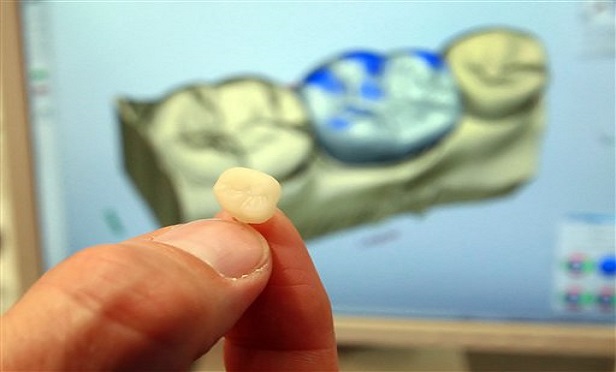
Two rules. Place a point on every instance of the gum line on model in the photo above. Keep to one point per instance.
(362, 136)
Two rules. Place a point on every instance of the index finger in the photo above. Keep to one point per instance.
(290, 325)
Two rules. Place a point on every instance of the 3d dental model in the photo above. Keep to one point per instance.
(361, 137)
(248, 195)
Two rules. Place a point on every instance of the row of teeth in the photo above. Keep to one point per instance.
(478, 103)
(364, 107)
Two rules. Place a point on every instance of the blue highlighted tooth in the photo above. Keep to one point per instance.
(357, 111)
(373, 63)
(363, 111)
(338, 123)
(433, 59)
(371, 91)
(326, 80)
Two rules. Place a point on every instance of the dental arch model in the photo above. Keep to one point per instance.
(363, 136)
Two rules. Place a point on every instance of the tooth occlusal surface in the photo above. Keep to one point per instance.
(248, 195)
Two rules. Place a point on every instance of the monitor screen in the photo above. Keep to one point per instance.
(442, 160)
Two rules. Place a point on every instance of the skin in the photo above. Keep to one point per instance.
(289, 327)
(111, 307)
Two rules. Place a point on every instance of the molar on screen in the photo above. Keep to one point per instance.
(176, 147)
(499, 72)
(368, 108)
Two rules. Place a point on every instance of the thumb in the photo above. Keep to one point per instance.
(158, 301)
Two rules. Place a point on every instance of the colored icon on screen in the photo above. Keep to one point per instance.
(606, 299)
(576, 299)
(607, 265)
(578, 264)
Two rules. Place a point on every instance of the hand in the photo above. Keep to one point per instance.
(161, 300)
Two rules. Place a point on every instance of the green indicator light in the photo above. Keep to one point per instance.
(39, 74)
(587, 298)
(588, 266)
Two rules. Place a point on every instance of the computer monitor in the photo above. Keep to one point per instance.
(450, 165)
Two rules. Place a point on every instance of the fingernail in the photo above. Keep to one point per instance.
(232, 249)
